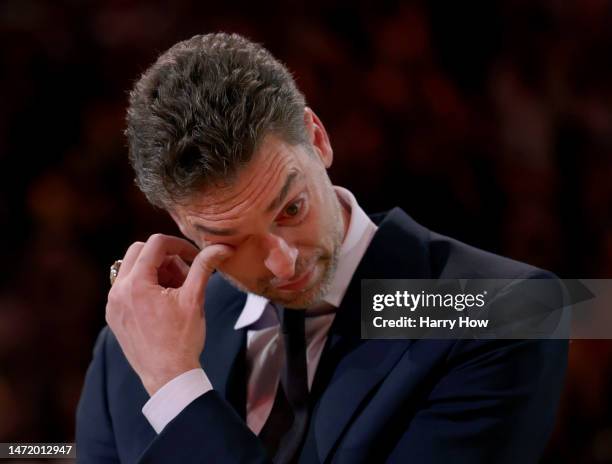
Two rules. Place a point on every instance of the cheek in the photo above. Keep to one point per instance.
(243, 265)
(314, 232)
(320, 224)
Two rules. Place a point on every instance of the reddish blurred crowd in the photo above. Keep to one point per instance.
(487, 121)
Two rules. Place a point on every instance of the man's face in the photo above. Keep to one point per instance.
(282, 217)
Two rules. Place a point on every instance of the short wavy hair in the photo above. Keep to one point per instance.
(201, 110)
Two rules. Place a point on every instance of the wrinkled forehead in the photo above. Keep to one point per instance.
(253, 186)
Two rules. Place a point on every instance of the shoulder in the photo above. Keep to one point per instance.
(406, 243)
(451, 258)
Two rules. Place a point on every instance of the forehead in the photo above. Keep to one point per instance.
(253, 188)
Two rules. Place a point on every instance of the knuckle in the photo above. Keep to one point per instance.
(136, 245)
(133, 248)
(157, 238)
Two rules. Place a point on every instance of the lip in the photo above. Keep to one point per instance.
(298, 283)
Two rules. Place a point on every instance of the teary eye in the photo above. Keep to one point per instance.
(293, 209)
(293, 213)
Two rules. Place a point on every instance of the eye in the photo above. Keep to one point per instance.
(293, 209)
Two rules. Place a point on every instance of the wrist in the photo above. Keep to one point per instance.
(152, 383)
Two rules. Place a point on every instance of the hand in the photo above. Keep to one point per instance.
(156, 306)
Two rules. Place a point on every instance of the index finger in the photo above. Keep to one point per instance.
(155, 250)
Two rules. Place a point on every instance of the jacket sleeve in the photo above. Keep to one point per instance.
(95, 442)
(207, 430)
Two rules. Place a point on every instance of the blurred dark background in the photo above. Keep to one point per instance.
(489, 121)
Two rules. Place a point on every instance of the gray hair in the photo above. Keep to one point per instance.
(201, 110)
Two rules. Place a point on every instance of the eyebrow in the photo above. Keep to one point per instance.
(280, 198)
(293, 175)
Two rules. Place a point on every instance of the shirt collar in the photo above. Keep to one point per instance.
(360, 232)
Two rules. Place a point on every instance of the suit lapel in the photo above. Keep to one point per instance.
(351, 368)
(224, 357)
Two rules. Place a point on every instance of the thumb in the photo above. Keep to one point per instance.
(207, 260)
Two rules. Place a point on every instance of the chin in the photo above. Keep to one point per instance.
(306, 298)
(299, 301)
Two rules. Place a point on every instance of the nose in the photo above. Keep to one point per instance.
(281, 257)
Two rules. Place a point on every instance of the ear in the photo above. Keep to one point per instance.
(318, 137)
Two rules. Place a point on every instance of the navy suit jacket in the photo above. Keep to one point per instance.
(404, 401)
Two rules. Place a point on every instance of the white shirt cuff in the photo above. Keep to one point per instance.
(172, 398)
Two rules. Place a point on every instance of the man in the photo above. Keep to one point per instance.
(274, 368)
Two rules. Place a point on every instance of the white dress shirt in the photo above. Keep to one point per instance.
(265, 351)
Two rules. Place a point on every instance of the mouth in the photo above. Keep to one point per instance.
(299, 283)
